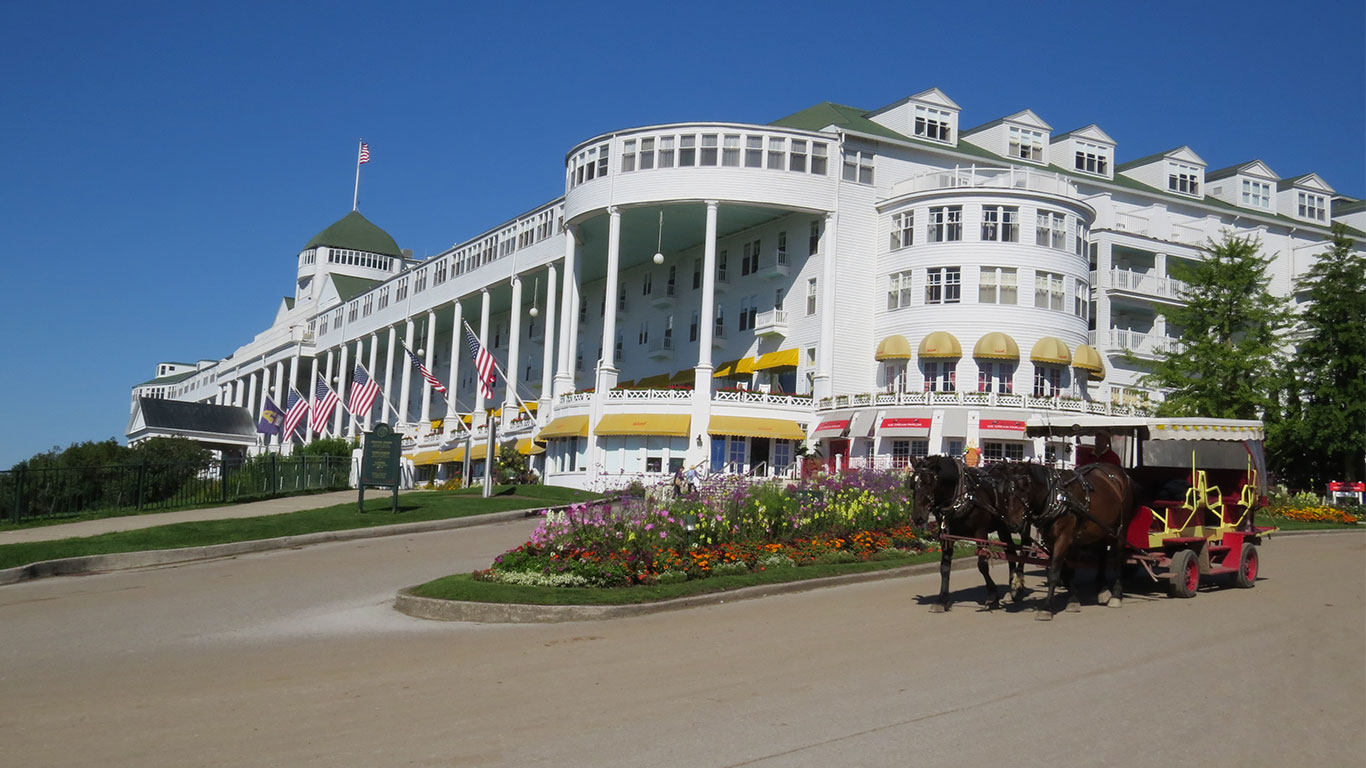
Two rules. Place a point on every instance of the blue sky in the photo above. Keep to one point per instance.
(165, 162)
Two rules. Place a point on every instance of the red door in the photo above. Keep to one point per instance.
(838, 447)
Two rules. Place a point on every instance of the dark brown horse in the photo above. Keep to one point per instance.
(967, 502)
(1075, 509)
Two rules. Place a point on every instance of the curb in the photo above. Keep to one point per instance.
(76, 566)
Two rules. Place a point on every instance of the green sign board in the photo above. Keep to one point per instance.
(379, 463)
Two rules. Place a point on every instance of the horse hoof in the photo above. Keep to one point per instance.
(1042, 615)
(1114, 602)
(1018, 596)
(938, 608)
(1103, 597)
(1073, 607)
(993, 605)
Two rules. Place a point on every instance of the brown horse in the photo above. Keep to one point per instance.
(967, 502)
(1073, 509)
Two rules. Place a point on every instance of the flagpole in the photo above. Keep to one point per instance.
(451, 408)
(355, 198)
(521, 404)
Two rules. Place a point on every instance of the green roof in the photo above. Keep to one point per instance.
(289, 302)
(163, 380)
(852, 119)
(349, 287)
(355, 232)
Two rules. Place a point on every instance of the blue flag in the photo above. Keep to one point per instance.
(272, 416)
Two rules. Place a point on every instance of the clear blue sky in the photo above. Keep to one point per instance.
(165, 162)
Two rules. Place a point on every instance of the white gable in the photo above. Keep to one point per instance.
(938, 98)
(1091, 133)
(1029, 119)
(1184, 155)
(1259, 170)
(1313, 182)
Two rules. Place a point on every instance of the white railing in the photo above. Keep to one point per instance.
(1141, 344)
(772, 321)
(978, 399)
(1128, 222)
(1183, 233)
(765, 398)
(649, 394)
(576, 397)
(1141, 282)
(988, 177)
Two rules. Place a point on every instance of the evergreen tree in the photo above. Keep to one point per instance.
(1226, 364)
(1318, 433)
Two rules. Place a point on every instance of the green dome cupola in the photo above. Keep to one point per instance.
(355, 232)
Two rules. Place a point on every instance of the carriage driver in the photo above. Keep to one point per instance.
(1100, 453)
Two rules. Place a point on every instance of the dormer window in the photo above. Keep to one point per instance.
(1026, 144)
(1312, 206)
(1256, 194)
(1092, 158)
(1184, 179)
(933, 124)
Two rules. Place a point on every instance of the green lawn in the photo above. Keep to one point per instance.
(463, 587)
(1301, 525)
(413, 507)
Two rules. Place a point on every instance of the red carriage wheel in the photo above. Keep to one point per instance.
(1247, 569)
(1185, 574)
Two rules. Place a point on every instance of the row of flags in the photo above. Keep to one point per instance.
(364, 389)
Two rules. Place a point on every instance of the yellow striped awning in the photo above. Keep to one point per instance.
(741, 367)
(894, 347)
(685, 376)
(940, 345)
(455, 454)
(478, 451)
(424, 458)
(566, 426)
(528, 448)
(996, 346)
(783, 358)
(657, 380)
(1088, 359)
(626, 384)
(1051, 349)
(751, 426)
(672, 424)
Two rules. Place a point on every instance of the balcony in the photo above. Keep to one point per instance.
(771, 323)
(1143, 345)
(1147, 285)
(988, 177)
(663, 349)
(664, 297)
(776, 267)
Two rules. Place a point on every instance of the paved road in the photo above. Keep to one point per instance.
(294, 658)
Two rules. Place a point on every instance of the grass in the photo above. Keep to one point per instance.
(100, 514)
(412, 507)
(463, 587)
(1286, 524)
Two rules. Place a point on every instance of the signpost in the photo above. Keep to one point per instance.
(379, 463)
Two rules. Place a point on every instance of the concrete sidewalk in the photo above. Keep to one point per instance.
(85, 528)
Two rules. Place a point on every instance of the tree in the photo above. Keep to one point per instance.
(1231, 325)
(1317, 433)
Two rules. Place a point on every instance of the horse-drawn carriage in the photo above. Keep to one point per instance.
(1177, 500)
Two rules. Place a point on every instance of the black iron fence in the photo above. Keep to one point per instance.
(54, 492)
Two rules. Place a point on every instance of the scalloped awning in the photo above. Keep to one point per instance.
(940, 345)
(1051, 349)
(996, 346)
(894, 347)
(1088, 359)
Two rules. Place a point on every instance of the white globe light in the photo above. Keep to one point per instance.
(534, 312)
(659, 258)
(421, 351)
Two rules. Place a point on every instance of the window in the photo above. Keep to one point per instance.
(903, 229)
(811, 296)
(749, 261)
(1000, 223)
(776, 153)
(647, 154)
(1256, 194)
(754, 151)
(696, 274)
(666, 151)
(383, 296)
(671, 287)
(1081, 300)
(745, 308)
(996, 376)
(687, 151)
(933, 124)
(941, 376)
(401, 290)
(1047, 380)
(898, 290)
(1184, 179)
(992, 451)
(692, 327)
(1092, 158)
(621, 297)
(796, 160)
(737, 453)
(616, 352)
(669, 332)
(778, 298)
(439, 272)
(643, 337)
(730, 150)
(818, 158)
(1026, 144)
(351, 311)
(814, 242)
(708, 156)
(858, 166)
(946, 224)
(721, 266)
(1048, 290)
(719, 329)
(420, 281)
(997, 285)
(943, 285)
(647, 284)
(583, 312)
(1049, 232)
(782, 454)
(368, 306)
(1080, 245)
(1311, 206)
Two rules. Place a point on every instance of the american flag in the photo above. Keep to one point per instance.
(295, 410)
(324, 400)
(363, 392)
(364, 154)
(426, 374)
(483, 363)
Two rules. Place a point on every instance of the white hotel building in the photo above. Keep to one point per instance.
(874, 285)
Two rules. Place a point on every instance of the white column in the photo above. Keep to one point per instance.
(427, 361)
(293, 382)
(564, 371)
(513, 366)
(457, 335)
(339, 383)
(403, 403)
(389, 375)
(823, 384)
(250, 380)
(350, 384)
(548, 353)
(607, 368)
(239, 392)
(479, 404)
(308, 395)
(374, 354)
(699, 439)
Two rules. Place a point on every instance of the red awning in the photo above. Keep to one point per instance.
(904, 426)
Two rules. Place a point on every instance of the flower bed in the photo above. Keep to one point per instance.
(1317, 513)
(730, 525)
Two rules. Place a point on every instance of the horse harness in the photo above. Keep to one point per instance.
(1060, 502)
